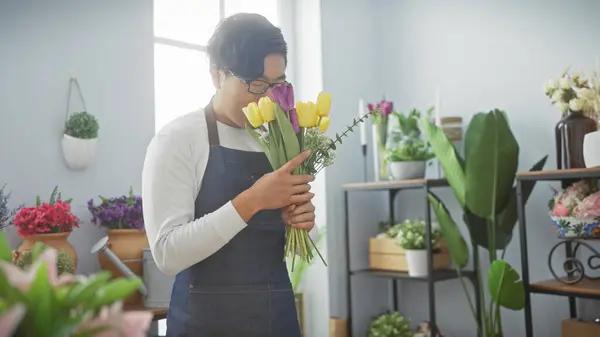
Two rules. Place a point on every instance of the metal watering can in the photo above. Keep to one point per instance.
(156, 286)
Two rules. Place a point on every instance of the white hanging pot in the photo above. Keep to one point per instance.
(417, 262)
(407, 169)
(591, 149)
(78, 152)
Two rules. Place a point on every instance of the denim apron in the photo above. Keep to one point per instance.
(242, 290)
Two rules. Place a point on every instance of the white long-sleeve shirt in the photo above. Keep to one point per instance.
(176, 159)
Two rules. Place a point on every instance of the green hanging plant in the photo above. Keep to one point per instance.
(82, 125)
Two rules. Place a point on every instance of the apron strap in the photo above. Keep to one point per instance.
(211, 125)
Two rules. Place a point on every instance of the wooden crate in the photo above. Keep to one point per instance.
(575, 328)
(385, 254)
(338, 327)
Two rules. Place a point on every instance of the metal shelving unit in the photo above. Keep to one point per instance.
(392, 188)
(587, 287)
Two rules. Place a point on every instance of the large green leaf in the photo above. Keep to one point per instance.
(459, 253)
(505, 219)
(290, 140)
(115, 290)
(449, 158)
(5, 252)
(39, 310)
(491, 153)
(505, 285)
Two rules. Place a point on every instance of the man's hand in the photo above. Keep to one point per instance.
(299, 216)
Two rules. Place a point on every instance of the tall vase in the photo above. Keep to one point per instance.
(570, 133)
(379, 146)
(57, 241)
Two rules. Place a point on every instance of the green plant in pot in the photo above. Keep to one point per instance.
(410, 152)
(391, 324)
(80, 139)
(483, 183)
(412, 238)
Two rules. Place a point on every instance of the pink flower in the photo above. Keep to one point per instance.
(560, 210)
(118, 323)
(589, 207)
(10, 320)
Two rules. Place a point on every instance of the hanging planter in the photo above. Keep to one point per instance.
(80, 134)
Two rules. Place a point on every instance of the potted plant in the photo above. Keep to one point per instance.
(6, 213)
(483, 184)
(80, 139)
(408, 155)
(37, 301)
(411, 237)
(576, 210)
(380, 112)
(48, 222)
(64, 263)
(391, 324)
(122, 217)
(576, 98)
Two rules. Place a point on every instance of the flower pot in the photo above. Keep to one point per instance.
(417, 262)
(59, 241)
(570, 132)
(571, 227)
(407, 169)
(128, 245)
(591, 149)
(79, 153)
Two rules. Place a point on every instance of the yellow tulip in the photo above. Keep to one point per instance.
(253, 115)
(307, 114)
(267, 109)
(324, 124)
(324, 103)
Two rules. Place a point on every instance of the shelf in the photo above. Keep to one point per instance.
(438, 275)
(395, 184)
(586, 288)
(581, 173)
(157, 313)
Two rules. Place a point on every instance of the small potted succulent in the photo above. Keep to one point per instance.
(410, 152)
(64, 263)
(576, 210)
(411, 237)
(122, 217)
(48, 222)
(391, 324)
(80, 139)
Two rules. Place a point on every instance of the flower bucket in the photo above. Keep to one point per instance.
(78, 153)
(417, 262)
(571, 227)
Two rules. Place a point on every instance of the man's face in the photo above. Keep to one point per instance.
(235, 89)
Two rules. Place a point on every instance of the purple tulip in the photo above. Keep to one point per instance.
(283, 95)
(386, 107)
(294, 120)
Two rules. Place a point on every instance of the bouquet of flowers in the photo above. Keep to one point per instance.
(576, 210)
(284, 130)
(575, 93)
(54, 216)
(36, 300)
(124, 212)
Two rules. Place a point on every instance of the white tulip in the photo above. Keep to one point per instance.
(557, 95)
(576, 104)
(549, 88)
(562, 106)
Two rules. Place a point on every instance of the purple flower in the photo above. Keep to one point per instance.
(118, 213)
(294, 120)
(386, 107)
(283, 95)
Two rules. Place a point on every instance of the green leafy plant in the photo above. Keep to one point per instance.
(411, 235)
(82, 125)
(66, 306)
(64, 263)
(410, 150)
(407, 139)
(391, 324)
(483, 184)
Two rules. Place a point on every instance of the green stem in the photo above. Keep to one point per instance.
(464, 285)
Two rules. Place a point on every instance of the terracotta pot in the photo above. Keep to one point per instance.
(128, 245)
(54, 240)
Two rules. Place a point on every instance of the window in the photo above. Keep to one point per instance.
(182, 28)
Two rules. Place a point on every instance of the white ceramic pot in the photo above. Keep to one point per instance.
(417, 262)
(79, 153)
(407, 169)
(591, 149)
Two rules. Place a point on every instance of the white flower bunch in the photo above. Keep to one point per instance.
(575, 93)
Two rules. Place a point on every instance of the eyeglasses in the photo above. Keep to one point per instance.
(258, 87)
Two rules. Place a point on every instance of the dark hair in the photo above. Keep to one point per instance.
(241, 42)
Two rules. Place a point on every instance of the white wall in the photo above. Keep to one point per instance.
(483, 55)
(108, 45)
